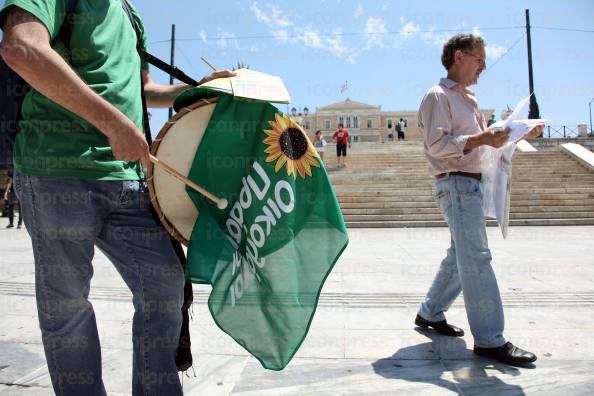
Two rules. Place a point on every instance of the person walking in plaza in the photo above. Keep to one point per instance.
(400, 126)
(12, 201)
(320, 144)
(78, 160)
(454, 131)
(342, 138)
(491, 120)
(390, 134)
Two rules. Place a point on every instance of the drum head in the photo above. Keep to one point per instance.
(176, 145)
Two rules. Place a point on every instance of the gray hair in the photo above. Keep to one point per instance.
(464, 42)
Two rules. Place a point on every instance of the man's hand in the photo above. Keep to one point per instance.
(217, 74)
(536, 131)
(127, 141)
(488, 137)
(495, 138)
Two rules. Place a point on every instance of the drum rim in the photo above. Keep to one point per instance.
(169, 227)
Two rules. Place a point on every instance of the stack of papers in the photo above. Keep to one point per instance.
(497, 165)
(518, 128)
(250, 84)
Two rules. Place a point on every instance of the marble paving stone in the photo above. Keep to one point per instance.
(216, 375)
(399, 344)
(482, 377)
(352, 350)
(18, 359)
(13, 390)
(348, 377)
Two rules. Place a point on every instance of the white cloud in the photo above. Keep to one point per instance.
(494, 51)
(279, 17)
(259, 14)
(274, 17)
(410, 29)
(280, 35)
(225, 38)
(202, 34)
(375, 32)
(310, 38)
(359, 10)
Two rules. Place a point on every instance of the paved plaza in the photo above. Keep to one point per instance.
(362, 340)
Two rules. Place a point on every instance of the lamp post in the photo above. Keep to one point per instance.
(590, 106)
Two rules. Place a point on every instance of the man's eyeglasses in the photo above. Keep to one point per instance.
(479, 59)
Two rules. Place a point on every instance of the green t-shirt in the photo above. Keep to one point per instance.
(53, 141)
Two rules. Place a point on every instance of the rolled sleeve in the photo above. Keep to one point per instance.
(435, 116)
(50, 13)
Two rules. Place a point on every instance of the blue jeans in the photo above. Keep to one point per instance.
(467, 265)
(66, 219)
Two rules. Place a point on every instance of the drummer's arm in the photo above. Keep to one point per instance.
(162, 95)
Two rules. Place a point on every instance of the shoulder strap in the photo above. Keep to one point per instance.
(66, 29)
(153, 60)
(146, 125)
(144, 55)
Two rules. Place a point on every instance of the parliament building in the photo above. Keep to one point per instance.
(365, 122)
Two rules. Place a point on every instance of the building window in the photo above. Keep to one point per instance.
(348, 122)
(356, 122)
(327, 124)
(389, 121)
(341, 120)
(369, 123)
(307, 124)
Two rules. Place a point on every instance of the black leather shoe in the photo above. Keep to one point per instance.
(508, 354)
(441, 327)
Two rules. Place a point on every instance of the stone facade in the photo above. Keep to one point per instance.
(365, 122)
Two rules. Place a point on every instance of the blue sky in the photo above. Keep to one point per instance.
(388, 51)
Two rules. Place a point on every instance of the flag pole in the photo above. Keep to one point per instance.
(221, 202)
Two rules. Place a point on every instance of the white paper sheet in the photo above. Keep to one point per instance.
(497, 165)
(250, 84)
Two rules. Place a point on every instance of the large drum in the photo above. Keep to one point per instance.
(176, 145)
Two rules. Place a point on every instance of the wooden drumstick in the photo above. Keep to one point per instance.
(221, 202)
(208, 63)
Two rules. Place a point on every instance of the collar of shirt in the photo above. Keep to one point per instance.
(468, 95)
(451, 84)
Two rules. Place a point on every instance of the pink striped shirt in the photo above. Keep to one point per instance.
(448, 116)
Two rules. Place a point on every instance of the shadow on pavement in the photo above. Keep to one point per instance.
(447, 363)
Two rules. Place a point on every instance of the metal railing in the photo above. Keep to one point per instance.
(563, 132)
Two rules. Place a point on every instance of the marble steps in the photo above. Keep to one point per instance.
(491, 223)
(436, 216)
(433, 210)
(387, 183)
(534, 205)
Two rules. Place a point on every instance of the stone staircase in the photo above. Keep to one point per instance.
(387, 185)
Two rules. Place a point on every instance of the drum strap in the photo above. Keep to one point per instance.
(183, 356)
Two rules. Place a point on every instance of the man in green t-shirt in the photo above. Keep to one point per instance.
(77, 173)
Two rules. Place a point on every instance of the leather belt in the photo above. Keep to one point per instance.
(476, 176)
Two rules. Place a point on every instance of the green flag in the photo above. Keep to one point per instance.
(268, 254)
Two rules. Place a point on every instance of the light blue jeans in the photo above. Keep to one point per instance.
(467, 265)
(66, 219)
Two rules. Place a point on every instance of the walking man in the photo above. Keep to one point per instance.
(342, 138)
(454, 131)
(12, 201)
